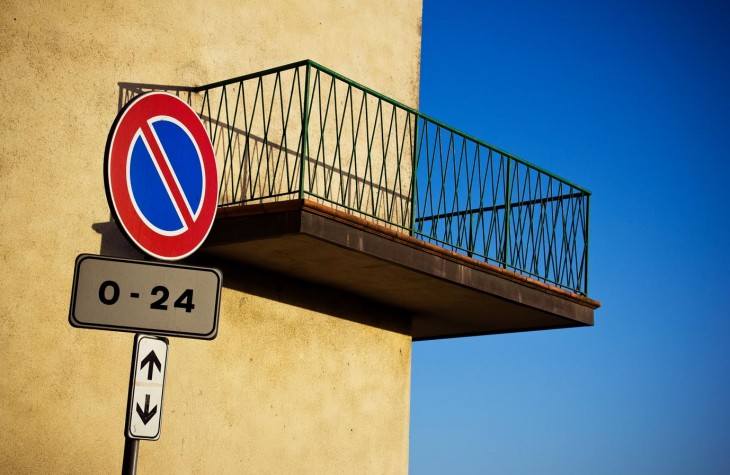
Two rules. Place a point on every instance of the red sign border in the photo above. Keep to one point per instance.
(119, 141)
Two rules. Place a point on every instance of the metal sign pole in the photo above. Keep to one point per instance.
(131, 446)
(129, 464)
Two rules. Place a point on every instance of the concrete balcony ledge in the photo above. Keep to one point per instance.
(446, 294)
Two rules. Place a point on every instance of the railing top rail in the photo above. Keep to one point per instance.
(227, 82)
(309, 62)
(136, 86)
(442, 125)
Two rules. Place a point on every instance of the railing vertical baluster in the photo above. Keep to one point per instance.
(470, 236)
(585, 244)
(507, 205)
(414, 176)
(305, 132)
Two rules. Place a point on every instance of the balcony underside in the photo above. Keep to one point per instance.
(446, 294)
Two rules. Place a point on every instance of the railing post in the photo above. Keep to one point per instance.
(585, 245)
(414, 174)
(305, 132)
(472, 240)
(507, 205)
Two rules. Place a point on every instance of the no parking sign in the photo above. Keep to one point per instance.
(161, 182)
(161, 177)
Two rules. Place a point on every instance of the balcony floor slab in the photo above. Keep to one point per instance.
(446, 294)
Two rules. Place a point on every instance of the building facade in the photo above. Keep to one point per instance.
(302, 378)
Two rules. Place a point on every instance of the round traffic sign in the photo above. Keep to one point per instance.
(161, 176)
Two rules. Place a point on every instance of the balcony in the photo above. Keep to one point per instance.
(328, 181)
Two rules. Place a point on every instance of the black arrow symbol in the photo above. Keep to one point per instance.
(146, 415)
(152, 360)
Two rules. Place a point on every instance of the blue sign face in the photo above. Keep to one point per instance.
(151, 193)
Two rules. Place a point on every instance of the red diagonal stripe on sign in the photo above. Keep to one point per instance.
(176, 194)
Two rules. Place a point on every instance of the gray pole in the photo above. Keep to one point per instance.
(129, 464)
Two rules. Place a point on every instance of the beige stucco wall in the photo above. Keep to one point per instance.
(300, 379)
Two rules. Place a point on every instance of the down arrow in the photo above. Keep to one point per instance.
(146, 415)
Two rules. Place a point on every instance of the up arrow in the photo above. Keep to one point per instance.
(146, 415)
(153, 361)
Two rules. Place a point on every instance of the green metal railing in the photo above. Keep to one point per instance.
(304, 131)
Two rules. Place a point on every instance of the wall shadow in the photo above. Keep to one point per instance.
(312, 296)
(273, 286)
(113, 242)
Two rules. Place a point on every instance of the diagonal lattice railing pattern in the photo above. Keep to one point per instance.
(477, 200)
(302, 130)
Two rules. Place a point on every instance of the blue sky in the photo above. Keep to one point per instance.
(630, 100)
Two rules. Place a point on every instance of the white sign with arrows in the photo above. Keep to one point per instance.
(144, 407)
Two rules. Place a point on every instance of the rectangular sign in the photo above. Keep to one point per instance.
(116, 294)
(147, 386)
